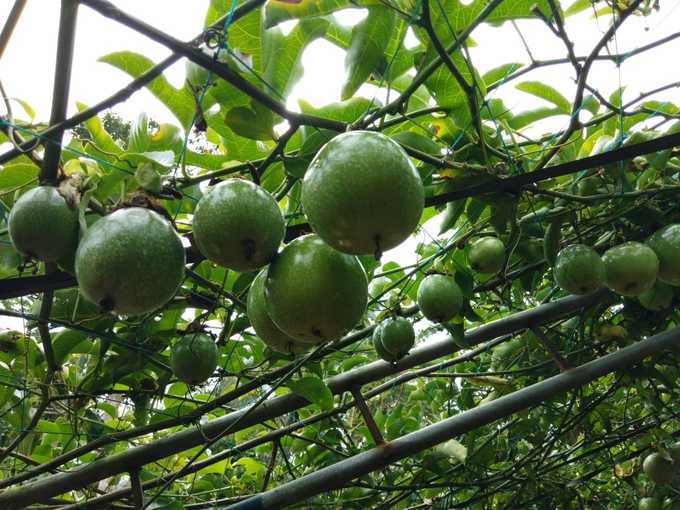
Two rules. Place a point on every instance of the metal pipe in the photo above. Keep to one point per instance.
(189, 438)
(339, 474)
(10, 24)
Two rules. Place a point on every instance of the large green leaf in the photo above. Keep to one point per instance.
(500, 73)
(546, 92)
(370, 38)
(17, 175)
(313, 389)
(179, 101)
(276, 11)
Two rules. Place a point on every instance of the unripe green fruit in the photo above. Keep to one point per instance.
(237, 224)
(579, 269)
(659, 297)
(649, 504)
(439, 298)
(666, 244)
(42, 225)
(380, 350)
(361, 193)
(396, 337)
(630, 268)
(659, 469)
(131, 261)
(194, 358)
(314, 293)
(487, 255)
(263, 324)
(377, 286)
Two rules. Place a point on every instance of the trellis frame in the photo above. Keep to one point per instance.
(344, 471)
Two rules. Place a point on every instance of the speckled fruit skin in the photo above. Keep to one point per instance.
(380, 350)
(238, 225)
(396, 336)
(361, 193)
(579, 269)
(263, 324)
(439, 298)
(41, 224)
(666, 244)
(131, 261)
(630, 268)
(649, 504)
(194, 358)
(487, 255)
(658, 468)
(658, 297)
(314, 293)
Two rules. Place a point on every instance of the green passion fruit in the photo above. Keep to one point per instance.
(630, 268)
(487, 255)
(194, 358)
(43, 225)
(131, 261)
(263, 325)
(579, 269)
(439, 298)
(666, 244)
(361, 193)
(313, 292)
(238, 225)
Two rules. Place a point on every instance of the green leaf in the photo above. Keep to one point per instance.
(139, 134)
(179, 101)
(523, 119)
(16, 176)
(500, 73)
(281, 55)
(577, 6)
(99, 135)
(69, 341)
(546, 92)
(276, 11)
(245, 122)
(314, 390)
(370, 38)
(417, 141)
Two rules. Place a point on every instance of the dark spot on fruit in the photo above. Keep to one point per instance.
(248, 248)
(378, 251)
(317, 332)
(584, 289)
(107, 304)
(630, 286)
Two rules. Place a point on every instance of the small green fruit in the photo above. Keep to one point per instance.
(487, 255)
(666, 244)
(579, 269)
(194, 358)
(396, 336)
(263, 324)
(649, 504)
(314, 293)
(237, 224)
(380, 350)
(659, 469)
(131, 261)
(657, 298)
(439, 298)
(43, 225)
(630, 268)
(378, 286)
(361, 193)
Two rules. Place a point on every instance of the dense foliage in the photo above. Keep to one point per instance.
(80, 382)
